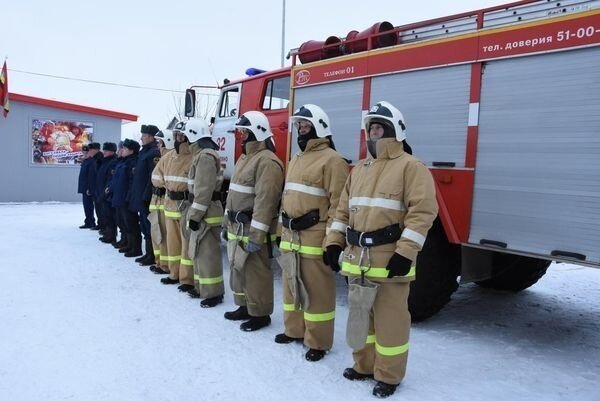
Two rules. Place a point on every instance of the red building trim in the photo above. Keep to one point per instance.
(15, 97)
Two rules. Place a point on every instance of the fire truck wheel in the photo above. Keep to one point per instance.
(438, 266)
(515, 272)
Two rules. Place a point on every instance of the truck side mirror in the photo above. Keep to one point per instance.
(190, 102)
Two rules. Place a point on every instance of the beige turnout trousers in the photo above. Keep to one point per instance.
(316, 324)
(173, 255)
(257, 294)
(186, 264)
(208, 264)
(386, 353)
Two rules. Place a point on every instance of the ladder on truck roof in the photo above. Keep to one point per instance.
(471, 21)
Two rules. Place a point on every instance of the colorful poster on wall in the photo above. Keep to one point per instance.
(59, 142)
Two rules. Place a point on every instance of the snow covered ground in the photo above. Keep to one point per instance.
(81, 322)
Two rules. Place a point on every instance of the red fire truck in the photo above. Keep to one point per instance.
(502, 104)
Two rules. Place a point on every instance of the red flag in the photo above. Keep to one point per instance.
(4, 90)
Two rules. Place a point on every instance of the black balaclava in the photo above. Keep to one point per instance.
(270, 144)
(207, 143)
(303, 139)
(388, 132)
(177, 144)
(250, 138)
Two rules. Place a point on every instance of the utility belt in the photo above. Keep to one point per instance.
(385, 235)
(177, 195)
(241, 217)
(158, 191)
(300, 223)
(216, 196)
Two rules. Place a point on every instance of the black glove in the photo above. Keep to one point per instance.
(194, 225)
(224, 234)
(278, 241)
(333, 255)
(398, 265)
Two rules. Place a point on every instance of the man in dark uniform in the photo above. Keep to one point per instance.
(94, 150)
(87, 176)
(141, 190)
(120, 189)
(105, 172)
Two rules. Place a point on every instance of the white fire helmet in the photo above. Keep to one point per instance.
(196, 128)
(167, 136)
(316, 116)
(256, 122)
(385, 111)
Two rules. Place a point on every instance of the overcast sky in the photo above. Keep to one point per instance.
(174, 44)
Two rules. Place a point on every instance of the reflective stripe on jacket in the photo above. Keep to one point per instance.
(205, 177)
(256, 185)
(314, 180)
(394, 188)
(175, 176)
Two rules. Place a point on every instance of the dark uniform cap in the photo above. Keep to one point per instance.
(120, 145)
(149, 129)
(94, 145)
(109, 146)
(131, 145)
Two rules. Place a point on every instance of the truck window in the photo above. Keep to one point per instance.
(229, 103)
(277, 94)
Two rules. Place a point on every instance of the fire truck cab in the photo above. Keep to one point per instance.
(503, 106)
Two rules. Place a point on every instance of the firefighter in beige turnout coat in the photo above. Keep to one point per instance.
(175, 173)
(385, 211)
(205, 214)
(156, 217)
(251, 213)
(314, 181)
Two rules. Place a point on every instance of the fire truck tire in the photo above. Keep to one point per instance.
(438, 266)
(516, 272)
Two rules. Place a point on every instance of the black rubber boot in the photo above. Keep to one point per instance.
(122, 242)
(136, 246)
(384, 390)
(283, 338)
(168, 280)
(157, 270)
(193, 294)
(126, 243)
(314, 355)
(211, 302)
(185, 287)
(148, 258)
(256, 323)
(351, 374)
(240, 313)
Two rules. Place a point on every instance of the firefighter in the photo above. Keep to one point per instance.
(385, 211)
(119, 189)
(175, 176)
(141, 191)
(251, 210)
(105, 172)
(315, 178)
(205, 214)
(158, 230)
